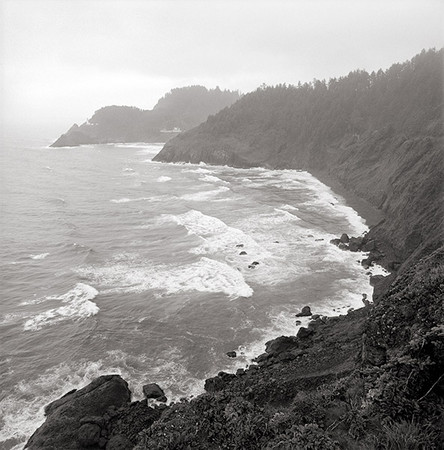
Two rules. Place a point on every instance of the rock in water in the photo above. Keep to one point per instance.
(153, 391)
(64, 426)
(232, 354)
(344, 238)
(305, 312)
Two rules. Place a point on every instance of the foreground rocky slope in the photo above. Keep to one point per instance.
(373, 379)
(180, 109)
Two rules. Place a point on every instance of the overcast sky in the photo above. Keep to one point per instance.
(63, 59)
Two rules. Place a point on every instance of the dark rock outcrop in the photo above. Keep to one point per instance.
(304, 333)
(119, 442)
(89, 435)
(281, 344)
(344, 238)
(64, 428)
(305, 312)
(153, 391)
(219, 382)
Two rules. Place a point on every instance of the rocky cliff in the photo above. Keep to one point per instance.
(180, 109)
(379, 135)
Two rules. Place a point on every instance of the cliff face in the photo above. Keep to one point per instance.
(379, 135)
(180, 109)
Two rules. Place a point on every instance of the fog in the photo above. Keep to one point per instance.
(62, 60)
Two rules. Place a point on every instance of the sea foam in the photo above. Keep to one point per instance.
(212, 179)
(129, 200)
(22, 407)
(77, 304)
(40, 256)
(204, 275)
(216, 235)
(205, 195)
(250, 240)
(163, 179)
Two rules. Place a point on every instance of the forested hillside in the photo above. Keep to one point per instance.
(379, 134)
(180, 109)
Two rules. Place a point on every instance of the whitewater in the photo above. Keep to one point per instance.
(112, 263)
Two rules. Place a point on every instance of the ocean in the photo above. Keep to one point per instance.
(112, 263)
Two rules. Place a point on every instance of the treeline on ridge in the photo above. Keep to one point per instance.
(378, 134)
(407, 97)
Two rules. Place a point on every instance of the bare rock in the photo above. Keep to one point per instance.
(153, 391)
(89, 434)
(304, 333)
(355, 244)
(119, 442)
(281, 344)
(64, 426)
(219, 382)
(344, 238)
(369, 246)
(305, 312)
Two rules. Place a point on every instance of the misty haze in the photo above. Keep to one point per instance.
(222, 225)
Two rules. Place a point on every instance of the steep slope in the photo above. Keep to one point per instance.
(373, 379)
(379, 135)
(180, 109)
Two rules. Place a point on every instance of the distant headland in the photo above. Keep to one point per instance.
(179, 110)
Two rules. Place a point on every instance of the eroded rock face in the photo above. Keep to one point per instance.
(64, 425)
(119, 442)
(154, 391)
(281, 344)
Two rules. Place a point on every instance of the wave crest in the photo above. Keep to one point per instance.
(78, 304)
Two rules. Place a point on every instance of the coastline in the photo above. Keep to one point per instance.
(331, 387)
(370, 213)
(307, 323)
